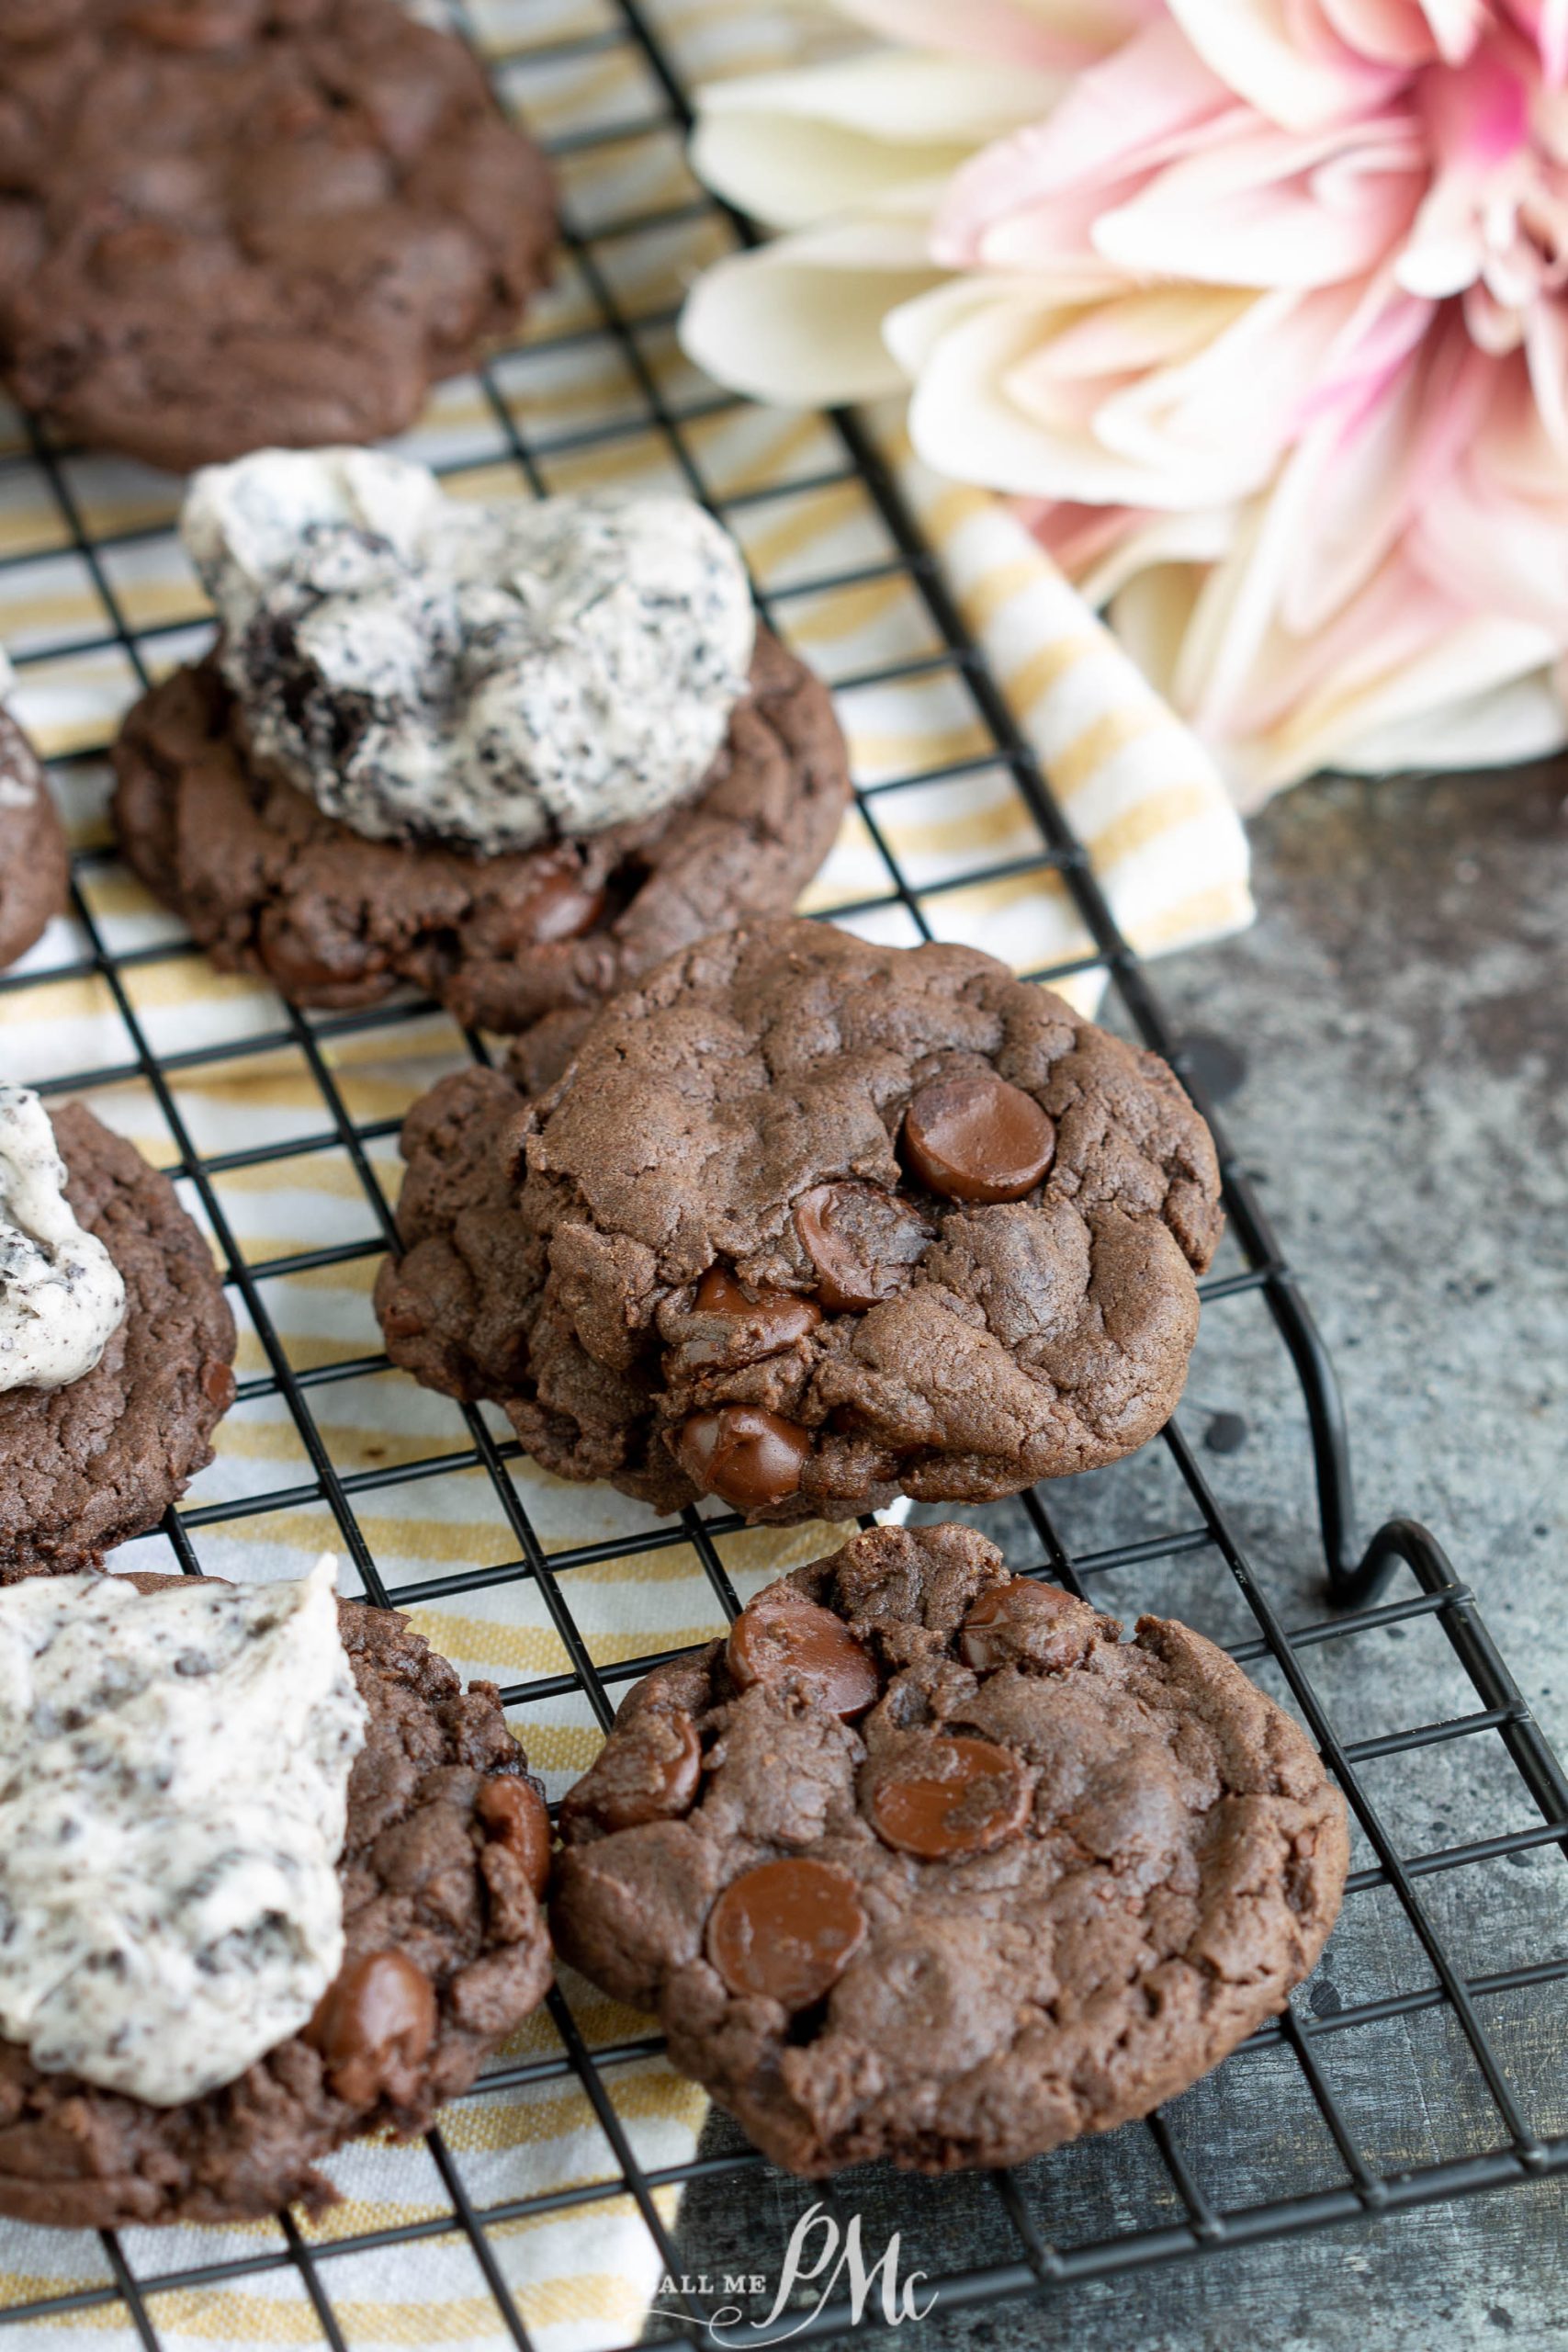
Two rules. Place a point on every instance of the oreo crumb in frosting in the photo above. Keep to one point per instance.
(173, 1801)
(60, 1292)
(486, 676)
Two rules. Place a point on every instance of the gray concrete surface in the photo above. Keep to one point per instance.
(1402, 1015)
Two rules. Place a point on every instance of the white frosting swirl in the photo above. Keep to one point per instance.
(173, 1775)
(490, 675)
(60, 1292)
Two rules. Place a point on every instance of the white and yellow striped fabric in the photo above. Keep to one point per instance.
(1163, 841)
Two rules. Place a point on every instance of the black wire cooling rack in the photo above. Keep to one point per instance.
(1168, 2198)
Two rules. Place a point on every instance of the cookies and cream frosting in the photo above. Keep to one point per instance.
(488, 675)
(60, 1292)
(174, 1776)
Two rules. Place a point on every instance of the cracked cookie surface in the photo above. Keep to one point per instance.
(446, 1950)
(530, 940)
(809, 1222)
(231, 223)
(926, 1864)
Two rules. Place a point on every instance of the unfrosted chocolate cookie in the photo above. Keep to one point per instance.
(85, 1466)
(807, 1224)
(444, 1862)
(35, 865)
(229, 224)
(268, 883)
(926, 1862)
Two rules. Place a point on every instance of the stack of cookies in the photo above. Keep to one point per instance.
(925, 1860)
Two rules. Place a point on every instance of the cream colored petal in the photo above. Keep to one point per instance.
(795, 148)
(1522, 719)
(799, 320)
(1061, 34)
(992, 405)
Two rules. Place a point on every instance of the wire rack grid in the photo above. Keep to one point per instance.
(1187, 2197)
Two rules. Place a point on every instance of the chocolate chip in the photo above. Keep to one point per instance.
(977, 1139)
(749, 1457)
(560, 909)
(1024, 1623)
(514, 1811)
(787, 1643)
(374, 2026)
(862, 1242)
(939, 1797)
(194, 24)
(649, 1772)
(786, 1930)
(746, 1325)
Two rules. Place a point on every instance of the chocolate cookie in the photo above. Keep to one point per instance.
(925, 1862)
(35, 865)
(446, 1858)
(84, 1467)
(807, 1224)
(268, 883)
(229, 224)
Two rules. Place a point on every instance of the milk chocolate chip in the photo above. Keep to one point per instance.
(514, 1811)
(791, 1645)
(1025, 1623)
(747, 1456)
(374, 2026)
(786, 1930)
(560, 909)
(746, 1325)
(862, 1242)
(977, 1139)
(648, 1772)
(942, 1797)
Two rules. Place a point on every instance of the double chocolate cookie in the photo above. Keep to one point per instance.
(925, 1862)
(444, 1861)
(531, 940)
(87, 1465)
(35, 865)
(807, 1224)
(234, 222)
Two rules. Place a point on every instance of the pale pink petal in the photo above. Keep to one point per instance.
(1393, 33)
(1295, 70)
(1273, 209)
(1546, 351)
(1132, 109)
(1457, 26)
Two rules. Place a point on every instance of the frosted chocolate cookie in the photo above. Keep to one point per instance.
(514, 753)
(236, 222)
(809, 1224)
(926, 1862)
(116, 1339)
(271, 1878)
(35, 865)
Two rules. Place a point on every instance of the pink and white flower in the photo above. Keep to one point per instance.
(1259, 307)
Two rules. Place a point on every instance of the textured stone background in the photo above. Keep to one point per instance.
(1402, 1010)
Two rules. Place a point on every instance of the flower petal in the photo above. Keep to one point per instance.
(799, 147)
(1272, 209)
(1296, 71)
(799, 320)
(1058, 35)
(1114, 123)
